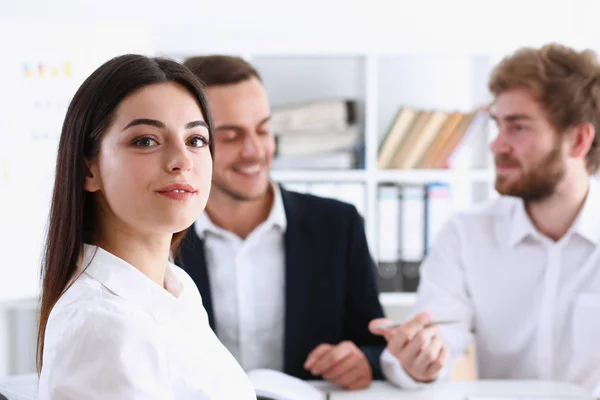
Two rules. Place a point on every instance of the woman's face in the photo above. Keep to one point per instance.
(154, 168)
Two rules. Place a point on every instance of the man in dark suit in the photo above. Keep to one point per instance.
(286, 278)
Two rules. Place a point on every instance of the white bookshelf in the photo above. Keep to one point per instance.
(381, 83)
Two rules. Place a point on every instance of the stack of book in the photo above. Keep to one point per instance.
(426, 138)
(322, 134)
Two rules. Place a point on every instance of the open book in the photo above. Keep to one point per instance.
(275, 385)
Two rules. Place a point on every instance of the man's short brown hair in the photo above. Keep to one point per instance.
(564, 81)
(221, 69)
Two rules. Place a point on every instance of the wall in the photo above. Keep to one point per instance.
(215, 25)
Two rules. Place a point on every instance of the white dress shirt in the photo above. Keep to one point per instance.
(531, 304)
(247, 281)
(116, 334)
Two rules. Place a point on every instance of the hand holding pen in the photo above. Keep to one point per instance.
(415, 343)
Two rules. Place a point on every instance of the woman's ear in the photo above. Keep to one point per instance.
(92, 176)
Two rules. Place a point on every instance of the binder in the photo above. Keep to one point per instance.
(409, 218)
(400, 236)
(412, 233)
(438, 209)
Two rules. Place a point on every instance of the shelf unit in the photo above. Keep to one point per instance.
(381, 83)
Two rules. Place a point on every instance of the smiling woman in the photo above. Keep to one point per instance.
(134, 169)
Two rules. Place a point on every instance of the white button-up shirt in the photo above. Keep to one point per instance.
(531, 304)
(247, 281)
(116, 334)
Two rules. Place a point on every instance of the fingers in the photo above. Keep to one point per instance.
(424, 356)
(435, 367)
(428, 355)
(375, 328)
(356, 376)
(316, 355)
(327, 358)
(341, 368)
(416, 323)
(374, 325)
(401, 334)
(357, 384)
(344, 365)
(420, 342)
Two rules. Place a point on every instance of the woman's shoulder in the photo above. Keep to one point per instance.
(88, 295)
(100, 327)
(96, 334)
(87, 305)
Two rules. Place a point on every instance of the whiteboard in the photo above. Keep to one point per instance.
(43, 65)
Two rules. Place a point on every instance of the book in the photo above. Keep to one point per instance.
(405, 117)
(448, 129)
(414, 131)
(418, 141)
(274, 385)
(316, 141)
(325, 113)
(334, 160)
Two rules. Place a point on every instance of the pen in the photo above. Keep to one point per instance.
(432, 323)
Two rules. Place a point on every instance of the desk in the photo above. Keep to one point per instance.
(24, 387)
(541, 390)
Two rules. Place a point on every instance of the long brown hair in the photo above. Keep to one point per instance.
(89, 115)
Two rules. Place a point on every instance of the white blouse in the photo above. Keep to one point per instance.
(115, 334)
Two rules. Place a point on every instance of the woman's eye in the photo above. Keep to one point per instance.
(197, 141)
(144, 142)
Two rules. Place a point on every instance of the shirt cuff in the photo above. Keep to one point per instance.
(394, 372)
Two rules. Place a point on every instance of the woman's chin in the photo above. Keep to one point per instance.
(175, 226)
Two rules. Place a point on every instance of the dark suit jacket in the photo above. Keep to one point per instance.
(331, 292)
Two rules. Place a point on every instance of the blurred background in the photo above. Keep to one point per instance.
(378, 103)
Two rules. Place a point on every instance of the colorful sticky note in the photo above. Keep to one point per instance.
(27, 70)
(68, 68)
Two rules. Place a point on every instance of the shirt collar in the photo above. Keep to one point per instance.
(521, 226)
(128, 282)
(276, 219)
(587, 222)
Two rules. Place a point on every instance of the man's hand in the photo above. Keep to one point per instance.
(420, 350)
(342, 364)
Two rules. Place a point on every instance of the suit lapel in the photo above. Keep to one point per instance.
(297, 281)
(194, 263)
